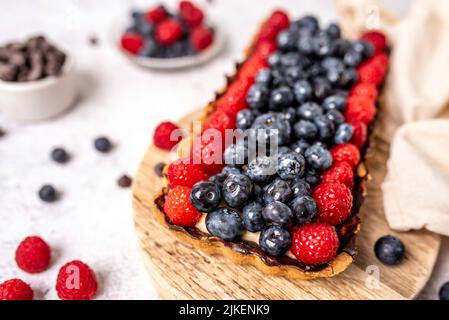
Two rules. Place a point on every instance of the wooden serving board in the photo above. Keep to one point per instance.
(179, 271)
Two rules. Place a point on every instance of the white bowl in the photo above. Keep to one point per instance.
(41, 99)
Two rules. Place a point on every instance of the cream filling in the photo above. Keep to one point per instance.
(247, 236)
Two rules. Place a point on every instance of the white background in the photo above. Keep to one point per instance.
(93, 220)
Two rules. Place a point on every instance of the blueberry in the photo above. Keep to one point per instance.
(342, 46)
(274, 241)
(315, 70)
(344, 133)
(236, 190)
(300, 188)
(305, 45)
(335, 102)
(333, 31)
(231, 170)
(389, 250)
(352, 58)
(325, 126)
(274, 60)
(309, 111)
(252, 217)
(312, 177)
(322, 44)
(321, 88)
(278, 78)
(245, 119)
(332, 63)
(150, 49)
(205, 196)
(336, 117)
(303, 91)
(274, 124)
(257, 192)
(300, 146)
(257, 96)
(348, 78)
(47, 193)
(290, 114)
(103, 144)
(308, 23)
(290, 59)
(261, 169)
(218, 178)
(235, 155)
(444, 291)
(318, 157)
(225, 223)
(293, 74)
(278, 214)
(305, 130)
(364, 48)
(304, 208)
(286, 40)
(277, 190)
(263, 77)
(291, 165)
(280, 98)
(59, 155)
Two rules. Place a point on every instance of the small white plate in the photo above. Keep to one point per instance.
(176, 63)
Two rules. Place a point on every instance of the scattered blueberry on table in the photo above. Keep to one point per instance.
(60, 155)
(389, 250)
(48, 193)
(103, 144)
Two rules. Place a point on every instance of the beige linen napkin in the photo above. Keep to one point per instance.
(416, 188)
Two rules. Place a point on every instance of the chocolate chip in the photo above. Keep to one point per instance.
(36, 72)
(8, 72)
(35, 42)
(16, 46)
(17, 59)
(2, 132)
(93, 40)
(124, 181)
(159, 169)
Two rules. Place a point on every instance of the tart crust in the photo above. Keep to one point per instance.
(248, 253)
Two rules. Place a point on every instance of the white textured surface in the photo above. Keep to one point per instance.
(93, 220)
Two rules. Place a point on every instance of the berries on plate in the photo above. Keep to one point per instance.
(183, 172)
(15, 289)
(163, 34)
(225, 223)
(315, 243)
(205, 196)
(33, 255)
(178, 208)
(48, 193)
(334, 201)
(76, 281)
(163, 138)
(275, 241)
(389, 250)
(346, 153)
(339, 172)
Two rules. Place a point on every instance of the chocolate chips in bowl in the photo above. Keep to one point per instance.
(36, 79)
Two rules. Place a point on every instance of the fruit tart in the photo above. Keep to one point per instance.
(284, 191)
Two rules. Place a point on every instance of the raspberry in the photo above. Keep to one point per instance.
(178, 208)
(268, 33)
(279, 19)
(252, 66)
(374, 70)
(360, 134)
(156, 15)
(185, 173)
(265, 48)
(33, 255)
(359, 108)
(209, 152)
(221, 121)
(132, 42)
(339, 172)
(368, 90)
(334, 202)
(76, 281)
(192, 15)
(15, 289)
(162, 136)
(346, 153)
(315, 243)
(234, 99)
(201, 38)
(168, 32)
(377, 39)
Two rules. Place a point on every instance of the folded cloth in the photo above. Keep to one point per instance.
(416, 188)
